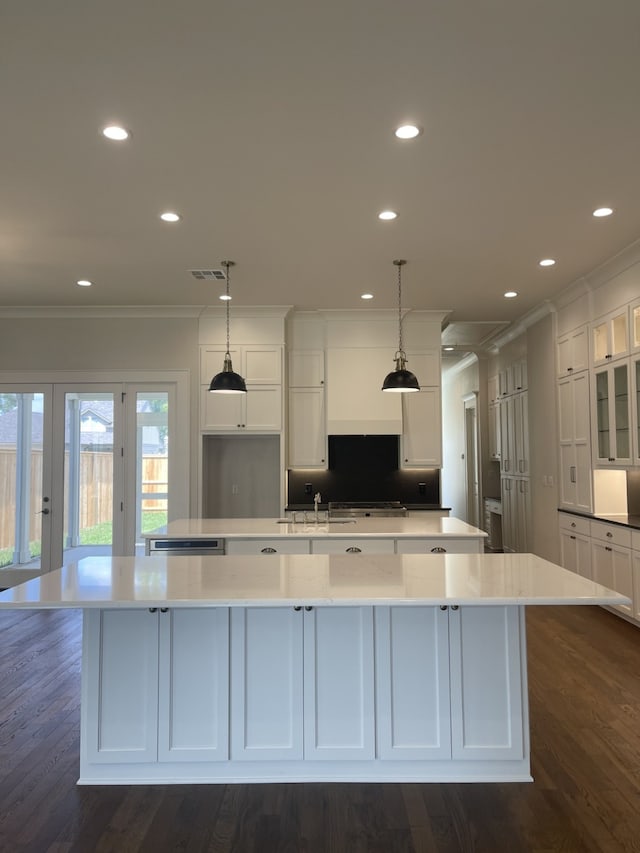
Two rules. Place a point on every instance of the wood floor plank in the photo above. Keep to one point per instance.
(584, 688)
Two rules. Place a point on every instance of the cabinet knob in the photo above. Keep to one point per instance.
(609, 534)
(573, 524)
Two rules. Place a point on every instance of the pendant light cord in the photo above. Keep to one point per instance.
(228, 265)
(400, 264)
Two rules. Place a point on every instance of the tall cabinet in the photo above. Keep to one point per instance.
(514, 456)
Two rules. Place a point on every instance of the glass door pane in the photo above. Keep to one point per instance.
(152, 463)
(88, 474)
(602, 414)
(621, 389)
(23, 504)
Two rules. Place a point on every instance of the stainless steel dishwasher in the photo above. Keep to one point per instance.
(186, 547)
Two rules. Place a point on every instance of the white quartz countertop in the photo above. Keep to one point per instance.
(311, 580)
(266, 528)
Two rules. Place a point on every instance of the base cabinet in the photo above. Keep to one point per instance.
(249, 694)
(158, 689)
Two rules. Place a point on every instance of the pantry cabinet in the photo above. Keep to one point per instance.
(574, 436)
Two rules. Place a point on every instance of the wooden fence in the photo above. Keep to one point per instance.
(96, 490)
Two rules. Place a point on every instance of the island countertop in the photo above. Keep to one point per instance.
(307, 580)
(274, 528)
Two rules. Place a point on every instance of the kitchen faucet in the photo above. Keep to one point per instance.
(316, 501)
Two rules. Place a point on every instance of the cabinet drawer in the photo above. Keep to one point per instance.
(267, 546)
(614, 534)
(355, 546)
(448, 546)
(575, 524)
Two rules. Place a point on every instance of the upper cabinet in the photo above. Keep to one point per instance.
(307, 435)
(260, 409)
(422, 429)
(635, 326)
(610, 337)
(611, 420)
(306, 368)
(572, 351)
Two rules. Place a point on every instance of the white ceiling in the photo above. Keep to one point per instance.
(269, 127)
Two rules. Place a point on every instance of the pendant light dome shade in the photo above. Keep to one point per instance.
(227, 381)
(400, 380)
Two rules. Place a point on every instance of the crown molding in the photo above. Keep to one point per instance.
(214, 312)
(65, 312)
(521, 325)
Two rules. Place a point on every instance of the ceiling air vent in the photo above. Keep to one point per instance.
(209, 275)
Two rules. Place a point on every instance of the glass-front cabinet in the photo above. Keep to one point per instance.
(635, 407)
(635, 326)
(610, 337)
(612, 416)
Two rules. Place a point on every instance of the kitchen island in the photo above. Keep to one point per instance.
(361, 535)
(305, 667)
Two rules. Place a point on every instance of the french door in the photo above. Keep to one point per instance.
(87, 468)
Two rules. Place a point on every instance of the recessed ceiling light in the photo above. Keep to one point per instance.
(387, 215)
(603, 211)
(84, 282)
(546, 262)
(224, 297)
(510, 294)
(408, 131)
(366, 296)
(115, 132)
(170, 216)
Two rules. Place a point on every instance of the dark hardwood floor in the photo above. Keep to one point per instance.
(584, 684)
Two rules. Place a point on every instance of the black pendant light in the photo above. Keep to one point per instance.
(227, 382)
(400, 380)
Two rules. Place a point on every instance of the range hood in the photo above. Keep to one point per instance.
(356, 404)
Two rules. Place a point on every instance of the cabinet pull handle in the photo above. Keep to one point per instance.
(268, 551)
(454, 606)
(308, 607)
(164, 610)
(297, 607)
(607, 548)
(353, 550)
(572, 474)
(443, 607)
(153, 610)
(609, 534)
(573, 524)
(571, 536)
(438, 550)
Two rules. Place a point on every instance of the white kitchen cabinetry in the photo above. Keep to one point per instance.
(421, 429)
(519, 375)
(415, 719)
(514, 434)
(635, 325)
(307, 433)
(611, 415)
(355, 402)
(439, 546)
(610, 336)
(575, 442)
(611, 559)
(302, 683)
(507, 437)
(634, 369)
(412, 683)
(516, 514)
(572, 351)
(307, 430)
(493, 389)
(267, 546)
(357, 545)
(260, 410)
(635, 567)
(159, 690)
(575, 544)
(488, 707)
(494, 431)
